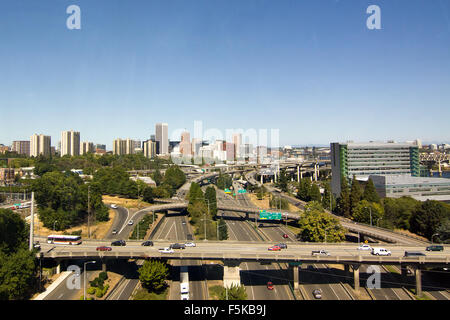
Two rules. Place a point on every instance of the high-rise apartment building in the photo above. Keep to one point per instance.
(21, 147)
(119, 146)
(374, 158)
(87, 147)
(162, 137)
(40, 144)
(149, 148)
(70, 143)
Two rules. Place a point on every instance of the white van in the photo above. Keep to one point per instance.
(381, 252)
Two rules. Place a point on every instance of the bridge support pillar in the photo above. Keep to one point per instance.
(404, 271)
(418, 275)
(355, 268)
(231, 273)
(346, 272)
(104, 265)
(296, 277)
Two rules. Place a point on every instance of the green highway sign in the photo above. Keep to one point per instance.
(265, 215)
(295, 263)
(242, 191)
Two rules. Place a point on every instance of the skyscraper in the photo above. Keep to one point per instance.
(237, 141)
(40, 144)
(70, 143)
(149, 149)
(87, 147)
(119, 146)
(185, 144)
(162, 137)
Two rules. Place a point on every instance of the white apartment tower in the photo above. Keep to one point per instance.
(40, 144)
(70, 143)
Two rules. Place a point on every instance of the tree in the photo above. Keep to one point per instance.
(355, 195)
(317, 226)
(343, 203)
(17, 263)
(303, 191)
(174, 178)
(398, 212)
(234, 292)
(328, 198)
(153, 275)
(314, 193)
(195, 193)
(157, 177)
(148, 195)
(443, 232)
(370, 194)
(210, 195)
(224, 181)
(365, 209)
(283, 181)
(428, 218)
(223, 230)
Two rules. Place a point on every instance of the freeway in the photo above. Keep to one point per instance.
(254, 275)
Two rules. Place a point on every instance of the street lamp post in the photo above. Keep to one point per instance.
(54, 222)
(84, 296)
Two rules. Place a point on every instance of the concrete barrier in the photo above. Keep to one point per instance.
(63, 276)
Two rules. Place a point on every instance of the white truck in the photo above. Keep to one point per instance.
(184, 283)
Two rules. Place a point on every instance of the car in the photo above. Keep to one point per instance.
(320, 252)
(114, 231)
(270, 285)
(260, 225)
(282, 245)
(177, 246)
(103, 248)
(190, 244)
(364, 247)
(317, 293)
(147, 243)
(285, 236)
(184, 222)
(130, 223)
(114, 206)
(414, 254)
(274, 248)
(189, 237)
(37, 245)
(119, 243)
(381, 252)
(435, 248)
(166, 250)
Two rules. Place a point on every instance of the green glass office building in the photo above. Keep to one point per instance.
(372, 158)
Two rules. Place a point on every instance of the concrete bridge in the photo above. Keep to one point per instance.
(232, 253)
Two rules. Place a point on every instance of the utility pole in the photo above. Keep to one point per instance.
(32, 222)
(89, 211)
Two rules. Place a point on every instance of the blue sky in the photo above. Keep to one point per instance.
(309, 68)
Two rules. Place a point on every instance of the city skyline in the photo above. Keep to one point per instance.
(230, 64)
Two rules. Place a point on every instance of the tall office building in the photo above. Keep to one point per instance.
(237, 140)
(70, 143)
(185, 144)
(87, 147)
(162, 137)
(40, 144)
(149, 147)
(374, 158)
(21, 147)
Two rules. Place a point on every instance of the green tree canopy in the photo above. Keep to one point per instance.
(365, 209)
(429, 217)
(234, 293)
(153, 275)
(314, 193)
(210, 195)
(370, 193)
(343, 202)
(315, 224)
(303, 192)
(355, 195)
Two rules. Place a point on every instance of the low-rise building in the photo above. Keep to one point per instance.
(419, 188)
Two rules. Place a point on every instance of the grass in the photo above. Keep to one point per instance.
(391, 269)
(214, 292)
(424, 296)
(144, 294)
